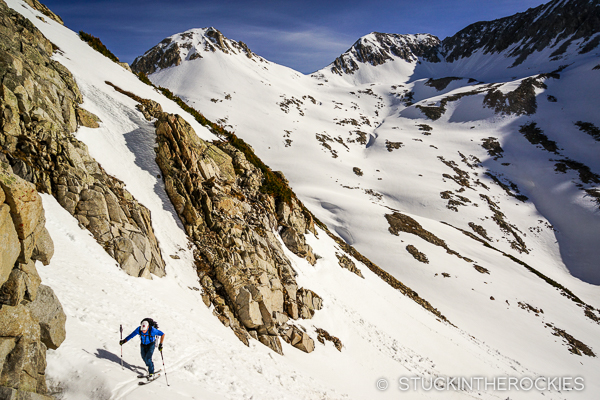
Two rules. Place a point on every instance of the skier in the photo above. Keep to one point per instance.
(148, 335)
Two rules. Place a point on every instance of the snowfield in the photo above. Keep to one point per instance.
(317, 129)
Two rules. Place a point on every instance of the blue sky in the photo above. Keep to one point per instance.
(304, 35)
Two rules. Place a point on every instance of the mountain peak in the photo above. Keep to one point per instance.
(377, 48)
(555, 25)
(188, 46)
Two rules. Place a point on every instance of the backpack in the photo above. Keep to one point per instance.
(151, 323)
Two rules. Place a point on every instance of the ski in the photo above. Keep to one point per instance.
(155, 377)
(140, 376)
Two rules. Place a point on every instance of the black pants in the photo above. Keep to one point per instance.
(147, 351)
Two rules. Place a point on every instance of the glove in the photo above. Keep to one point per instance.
(160, 347)
(122, 342)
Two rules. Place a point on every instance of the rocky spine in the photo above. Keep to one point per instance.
(234, 227)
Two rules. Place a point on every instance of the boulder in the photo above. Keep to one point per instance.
(125, 65)
(12, 292)
(308, 302)
(310, 256)
(24, 201)
(10, 249)
(131, 258)
(280, 318)
(271, 342)
(87, 119)
(292, 310)
(293, 241)
(22, 366)
(18, 322)
(302, 341)
(49, 312)
(271, 297)
(22, 284)
(93, 204)
(248, 310)
(44, 247)
(7, 344)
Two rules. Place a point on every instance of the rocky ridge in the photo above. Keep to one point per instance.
(36, 5)
(378, 48)
(237, 232)
(189, 45)
(40, 111)
(524, 33)
(556, 25)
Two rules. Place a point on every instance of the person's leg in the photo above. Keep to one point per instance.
(146, 352)
(148, 359)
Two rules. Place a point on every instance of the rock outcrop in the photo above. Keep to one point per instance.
(237, 231)
(164, 55)
(571, 22)
(189, 45)
(241, 263)
(378, 48)
(31, 317)
(35, 4)
(39, 99)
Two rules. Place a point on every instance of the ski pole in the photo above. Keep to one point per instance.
(121, 328)
(164, 368)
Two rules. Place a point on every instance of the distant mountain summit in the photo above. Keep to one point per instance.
(557, 25)
(378, 48)
(553, 33)
(189, 45)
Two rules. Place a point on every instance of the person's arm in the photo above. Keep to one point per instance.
(162, 339)
(135, 332)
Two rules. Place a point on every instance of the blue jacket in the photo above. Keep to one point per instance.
(146, 338)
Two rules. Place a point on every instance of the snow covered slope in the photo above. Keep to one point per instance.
(505, 154)
(317, 132)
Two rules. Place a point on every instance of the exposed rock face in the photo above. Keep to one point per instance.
(87, 119)
(378, 48)
(48, 311)
(35, 4)
(533, 30)
(345, 262)
(39, 100)
(31, 317)
(189, 45)
(557, 25)
(241, 263)
(417, 254)
(163, 55)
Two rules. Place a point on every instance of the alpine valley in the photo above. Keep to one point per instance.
(419, 208)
